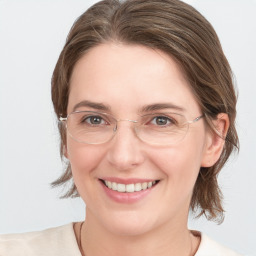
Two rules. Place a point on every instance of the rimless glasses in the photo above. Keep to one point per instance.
(157, 129)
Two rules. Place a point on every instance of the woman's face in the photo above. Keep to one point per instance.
(125, 80)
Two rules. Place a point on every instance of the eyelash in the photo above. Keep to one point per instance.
(169, 120)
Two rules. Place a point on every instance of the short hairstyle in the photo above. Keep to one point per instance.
(180, 31)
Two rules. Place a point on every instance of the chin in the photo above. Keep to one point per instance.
(129, 230)
(128, 224)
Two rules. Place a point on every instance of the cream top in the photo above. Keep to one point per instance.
(61, 241)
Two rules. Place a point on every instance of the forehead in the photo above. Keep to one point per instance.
(125, 77)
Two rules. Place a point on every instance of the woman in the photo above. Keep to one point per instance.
(146, 105)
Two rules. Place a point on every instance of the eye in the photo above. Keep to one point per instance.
(94, 120)
(162, 121)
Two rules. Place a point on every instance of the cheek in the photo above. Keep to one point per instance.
(180, 164)
(80, 154)
(83, 159)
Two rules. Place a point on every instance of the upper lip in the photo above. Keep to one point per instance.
(127, 181)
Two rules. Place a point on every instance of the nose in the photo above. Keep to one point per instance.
(125, 150)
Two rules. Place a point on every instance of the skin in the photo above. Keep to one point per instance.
(125, 78)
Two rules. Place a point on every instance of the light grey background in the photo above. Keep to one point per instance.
(32, 34)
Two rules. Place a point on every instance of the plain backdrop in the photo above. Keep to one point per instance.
(32, 34)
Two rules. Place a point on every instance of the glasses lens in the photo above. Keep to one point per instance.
(157, 129)
(162, 129)
(90, 127)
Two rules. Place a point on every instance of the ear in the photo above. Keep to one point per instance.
(215, 141)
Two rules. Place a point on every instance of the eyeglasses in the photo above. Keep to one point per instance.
(157, 129)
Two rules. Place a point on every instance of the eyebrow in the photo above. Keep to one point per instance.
(161, 106)
(90, 104)
(146, 108)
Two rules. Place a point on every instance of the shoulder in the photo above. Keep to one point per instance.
(209, 247)
(54, 241)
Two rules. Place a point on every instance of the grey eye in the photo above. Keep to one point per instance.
(94, 120)
(162, 121)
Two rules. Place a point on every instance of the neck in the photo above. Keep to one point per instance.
(170, 239)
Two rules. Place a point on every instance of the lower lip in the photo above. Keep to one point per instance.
(126, 198)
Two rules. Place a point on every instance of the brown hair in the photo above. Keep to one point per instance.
(182, 32)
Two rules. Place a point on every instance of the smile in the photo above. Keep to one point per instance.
(129, 188)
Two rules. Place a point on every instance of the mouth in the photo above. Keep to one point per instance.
(129, 188)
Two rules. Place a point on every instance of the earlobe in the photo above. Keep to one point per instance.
(215, 140)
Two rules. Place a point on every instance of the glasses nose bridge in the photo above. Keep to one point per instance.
(122, 120)
(128, 120)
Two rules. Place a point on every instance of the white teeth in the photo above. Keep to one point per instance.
(137, 187)
(144, 185)
(114, 186)
(109, 184)
(120, 187)
(129, 188)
